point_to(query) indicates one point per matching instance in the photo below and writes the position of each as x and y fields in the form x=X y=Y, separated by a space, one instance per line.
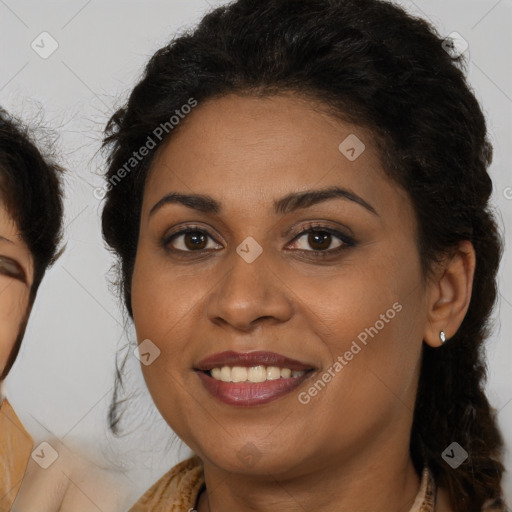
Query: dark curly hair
x=372 y=64
x=31 y=192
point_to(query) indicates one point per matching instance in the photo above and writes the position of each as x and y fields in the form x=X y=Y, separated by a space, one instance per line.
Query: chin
x=251 y=458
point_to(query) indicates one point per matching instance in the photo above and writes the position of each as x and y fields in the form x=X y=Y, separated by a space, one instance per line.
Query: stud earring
x=443 y=337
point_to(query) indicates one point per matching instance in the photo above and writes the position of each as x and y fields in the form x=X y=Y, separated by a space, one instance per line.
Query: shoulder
x=15 y=449
x=177 y=490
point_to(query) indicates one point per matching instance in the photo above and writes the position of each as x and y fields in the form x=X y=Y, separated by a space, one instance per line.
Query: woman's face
x=16 y=275
x=347 y=302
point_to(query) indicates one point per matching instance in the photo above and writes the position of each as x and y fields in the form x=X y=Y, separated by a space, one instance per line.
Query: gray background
x=62 y=382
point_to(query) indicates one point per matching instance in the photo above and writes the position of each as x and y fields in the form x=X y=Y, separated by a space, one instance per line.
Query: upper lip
x=248 y=359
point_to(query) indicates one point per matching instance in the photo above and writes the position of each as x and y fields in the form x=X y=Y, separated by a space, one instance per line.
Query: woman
x=30 y=231
x=327 y=163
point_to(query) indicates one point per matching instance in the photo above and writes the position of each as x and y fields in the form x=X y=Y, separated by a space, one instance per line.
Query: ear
x=450 y=293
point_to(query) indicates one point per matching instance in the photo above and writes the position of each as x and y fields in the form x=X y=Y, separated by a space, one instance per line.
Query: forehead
x=248 y=150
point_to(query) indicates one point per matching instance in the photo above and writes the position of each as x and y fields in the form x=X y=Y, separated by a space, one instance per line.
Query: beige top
x=15 y=449
x=179 y=489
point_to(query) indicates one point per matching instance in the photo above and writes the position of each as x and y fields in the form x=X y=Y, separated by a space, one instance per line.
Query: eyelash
x=347 y=241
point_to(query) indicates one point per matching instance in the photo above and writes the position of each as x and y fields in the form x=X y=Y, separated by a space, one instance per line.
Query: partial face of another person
x=325 y=281
x=16 y=275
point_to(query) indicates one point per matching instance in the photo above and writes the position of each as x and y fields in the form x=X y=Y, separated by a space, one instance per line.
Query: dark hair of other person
x=31 y=192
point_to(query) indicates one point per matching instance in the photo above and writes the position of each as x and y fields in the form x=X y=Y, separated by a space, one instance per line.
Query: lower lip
x=251 y=393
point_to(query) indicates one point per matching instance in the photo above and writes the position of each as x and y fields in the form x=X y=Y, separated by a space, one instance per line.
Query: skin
x=16 y=276
x=353 y=436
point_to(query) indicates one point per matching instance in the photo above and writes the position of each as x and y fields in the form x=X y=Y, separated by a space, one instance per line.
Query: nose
x=249 y=294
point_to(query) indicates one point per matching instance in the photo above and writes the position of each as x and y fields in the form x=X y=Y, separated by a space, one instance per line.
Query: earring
x=443 y=337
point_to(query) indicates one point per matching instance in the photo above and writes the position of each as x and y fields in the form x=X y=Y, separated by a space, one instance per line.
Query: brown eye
x=12 y=268
x=195 y=240
x=322 y=241
x=319 y=240
x=188 y=240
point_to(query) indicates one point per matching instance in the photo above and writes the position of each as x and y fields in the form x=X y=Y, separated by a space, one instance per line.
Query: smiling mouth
x=251 y=386
x=251 y=378
x=253 y=374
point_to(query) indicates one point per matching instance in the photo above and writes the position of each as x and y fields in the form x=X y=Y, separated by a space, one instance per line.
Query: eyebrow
x=287 y=204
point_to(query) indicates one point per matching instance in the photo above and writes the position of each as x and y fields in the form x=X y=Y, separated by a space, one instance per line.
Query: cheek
x=370 y=313
x=13 y=307
x=352 y=298
x=161 y=299
x=165 y=309
x=370 y=316
x=165 y=306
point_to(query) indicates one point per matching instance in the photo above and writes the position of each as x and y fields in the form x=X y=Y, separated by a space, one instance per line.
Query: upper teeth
x=253 y=374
